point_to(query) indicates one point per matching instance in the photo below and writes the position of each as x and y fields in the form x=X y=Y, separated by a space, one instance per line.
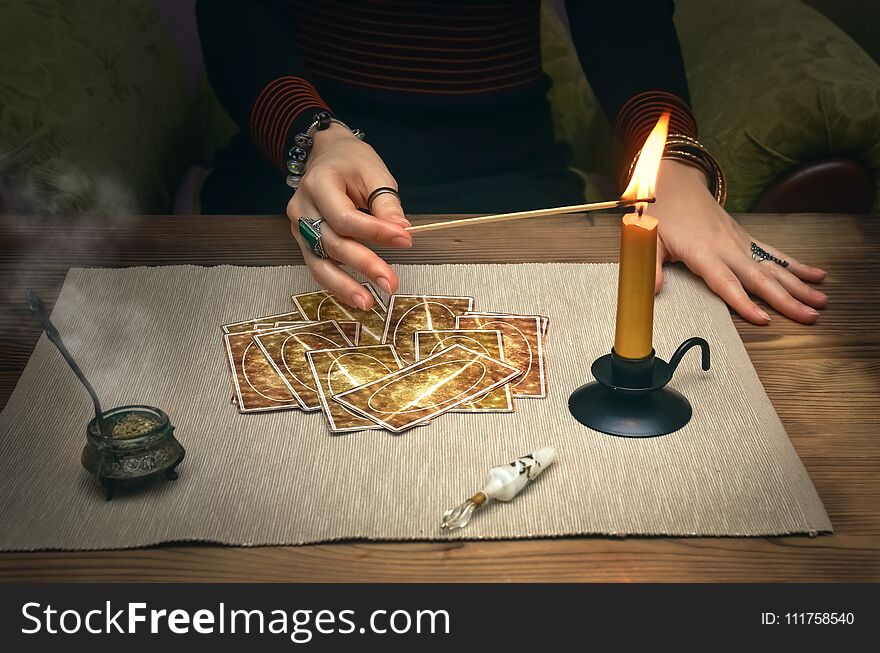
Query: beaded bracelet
x=303 y=142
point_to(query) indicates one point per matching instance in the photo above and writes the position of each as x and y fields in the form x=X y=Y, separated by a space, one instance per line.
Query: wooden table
x=824 y=381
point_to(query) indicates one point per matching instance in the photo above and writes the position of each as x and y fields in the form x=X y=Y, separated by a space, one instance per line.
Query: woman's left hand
x=697 y=231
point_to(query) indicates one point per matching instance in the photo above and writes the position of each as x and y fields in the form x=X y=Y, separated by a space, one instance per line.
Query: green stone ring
x=310 y=229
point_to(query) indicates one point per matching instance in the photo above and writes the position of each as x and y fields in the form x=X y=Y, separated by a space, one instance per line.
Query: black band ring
x=380 y=191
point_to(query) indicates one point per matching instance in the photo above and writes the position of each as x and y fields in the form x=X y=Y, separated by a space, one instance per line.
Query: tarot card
x=523 y=348
x=286 y=349
x=351 y=329
x=427 y=388
x=250 y=325
x=258 y=386
x=321 y=306
x=489 y=343
x=545 y=321
x=338 y=370
x=410 y=313
x=265 y=326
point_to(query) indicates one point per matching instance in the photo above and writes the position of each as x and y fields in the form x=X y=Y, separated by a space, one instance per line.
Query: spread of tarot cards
x=391 y=367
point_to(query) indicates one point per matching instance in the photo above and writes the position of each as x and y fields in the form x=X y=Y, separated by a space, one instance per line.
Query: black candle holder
x=629 y=397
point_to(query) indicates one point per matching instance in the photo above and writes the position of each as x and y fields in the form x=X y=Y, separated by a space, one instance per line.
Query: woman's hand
x=695 y=230
x=342 y=171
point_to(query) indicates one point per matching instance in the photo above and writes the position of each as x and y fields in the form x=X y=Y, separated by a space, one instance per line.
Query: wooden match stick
x=522 y=215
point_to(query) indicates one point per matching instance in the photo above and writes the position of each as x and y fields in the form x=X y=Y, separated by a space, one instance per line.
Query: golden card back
x=337 y=370
x=286 y=349
x=523 y=348
x=410 y=313
x=321 y=306
x=427 y=388
x=489 y=343
x=258 y=386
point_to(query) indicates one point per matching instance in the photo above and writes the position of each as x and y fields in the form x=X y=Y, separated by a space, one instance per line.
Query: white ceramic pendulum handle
x=502 y=484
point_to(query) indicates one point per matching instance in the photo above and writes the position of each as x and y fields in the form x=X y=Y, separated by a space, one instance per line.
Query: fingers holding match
x=349 y=222
x=337 y=209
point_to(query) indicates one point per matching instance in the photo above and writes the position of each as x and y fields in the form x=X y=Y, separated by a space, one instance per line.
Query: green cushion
x=93 y=107
x=776 y=84
x=773 y=83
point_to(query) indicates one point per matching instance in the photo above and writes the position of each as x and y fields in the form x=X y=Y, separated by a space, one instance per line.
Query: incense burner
x=131 y=445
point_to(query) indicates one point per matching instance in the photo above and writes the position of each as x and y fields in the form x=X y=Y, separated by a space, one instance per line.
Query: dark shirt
x=445 y=90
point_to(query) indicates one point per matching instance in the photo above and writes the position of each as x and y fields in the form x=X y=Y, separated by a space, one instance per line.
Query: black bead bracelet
x=303 y=142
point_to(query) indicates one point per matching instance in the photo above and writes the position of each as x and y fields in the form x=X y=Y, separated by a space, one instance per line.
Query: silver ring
x=382 y=190
x=310 y=230
x=759 y=254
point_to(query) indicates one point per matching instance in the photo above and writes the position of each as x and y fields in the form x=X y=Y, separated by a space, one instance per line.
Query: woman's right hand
x=342 y=171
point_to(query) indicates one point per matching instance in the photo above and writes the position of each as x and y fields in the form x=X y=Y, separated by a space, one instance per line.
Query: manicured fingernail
x=384 y=284
x=763 y=314
x=400 y=241
x=812 y=311
x=401 y=219
x=359 y=301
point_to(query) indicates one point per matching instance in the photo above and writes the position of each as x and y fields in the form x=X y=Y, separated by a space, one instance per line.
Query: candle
x=635 y=286
x=638 y=254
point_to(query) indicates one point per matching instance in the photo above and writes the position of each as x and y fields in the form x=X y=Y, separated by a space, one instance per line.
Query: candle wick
x=640 y=210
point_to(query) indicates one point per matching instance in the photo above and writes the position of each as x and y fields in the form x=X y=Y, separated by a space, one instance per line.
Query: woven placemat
x=152 y=335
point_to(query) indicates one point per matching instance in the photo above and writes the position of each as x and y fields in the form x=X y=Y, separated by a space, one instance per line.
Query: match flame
x=644 y=176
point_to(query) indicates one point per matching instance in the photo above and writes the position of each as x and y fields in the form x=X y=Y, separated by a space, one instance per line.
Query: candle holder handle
x=683 y=348
x=629 y=397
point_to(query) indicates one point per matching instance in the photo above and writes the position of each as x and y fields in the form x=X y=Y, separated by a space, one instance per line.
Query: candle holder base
x=629 y=397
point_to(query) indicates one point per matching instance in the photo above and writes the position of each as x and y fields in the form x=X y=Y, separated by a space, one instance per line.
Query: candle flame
x=644 y=176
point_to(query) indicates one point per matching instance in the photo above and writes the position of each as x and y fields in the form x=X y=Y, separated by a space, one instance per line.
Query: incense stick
x=522 y=215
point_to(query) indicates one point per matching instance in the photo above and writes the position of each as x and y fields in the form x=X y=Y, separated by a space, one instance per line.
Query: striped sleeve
x=285 y=107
